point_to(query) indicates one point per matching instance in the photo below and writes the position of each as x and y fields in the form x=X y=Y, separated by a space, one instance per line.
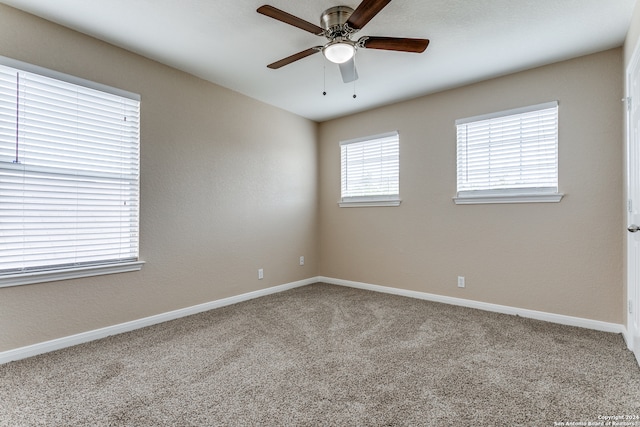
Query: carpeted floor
x=331 y=356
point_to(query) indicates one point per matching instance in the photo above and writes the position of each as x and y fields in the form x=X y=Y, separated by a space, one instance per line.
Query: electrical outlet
x=301 y=260
x=260 y=274
x=461 y=281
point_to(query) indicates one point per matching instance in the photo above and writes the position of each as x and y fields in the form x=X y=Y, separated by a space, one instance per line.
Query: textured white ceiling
x=227 y=42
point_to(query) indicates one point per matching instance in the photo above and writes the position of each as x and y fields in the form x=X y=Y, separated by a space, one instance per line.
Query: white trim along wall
x=60 y=343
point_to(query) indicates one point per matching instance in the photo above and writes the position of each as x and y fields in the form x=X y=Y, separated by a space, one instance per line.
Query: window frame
x=512 y=194
x=378 y=200
x=56 y=273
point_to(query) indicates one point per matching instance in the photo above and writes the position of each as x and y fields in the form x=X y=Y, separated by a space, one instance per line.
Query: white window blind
x=509 y=152
x=69 y=174
x=370 y=168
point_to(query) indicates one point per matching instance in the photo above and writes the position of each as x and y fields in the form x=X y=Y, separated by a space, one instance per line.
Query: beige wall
x=228 y=185
x=563 y=258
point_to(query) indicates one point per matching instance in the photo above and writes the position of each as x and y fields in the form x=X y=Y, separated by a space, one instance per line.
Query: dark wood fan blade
x=293 y=58
x=365 y=12
x=288 y=18
x=396 y=43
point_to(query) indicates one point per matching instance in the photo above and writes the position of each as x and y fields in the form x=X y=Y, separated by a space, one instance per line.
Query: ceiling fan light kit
x=339 y=51
x=338 y=24
x=340 y=48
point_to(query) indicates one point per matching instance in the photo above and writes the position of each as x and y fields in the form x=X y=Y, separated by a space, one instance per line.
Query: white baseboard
x=57 y=344
x=532 y=314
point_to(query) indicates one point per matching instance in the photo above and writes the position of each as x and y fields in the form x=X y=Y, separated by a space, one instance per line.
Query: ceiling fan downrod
x=334 y=22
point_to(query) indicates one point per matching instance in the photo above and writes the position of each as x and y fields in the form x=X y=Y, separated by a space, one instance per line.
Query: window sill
x=508 y=198
x=66 y=274
x=369 y=203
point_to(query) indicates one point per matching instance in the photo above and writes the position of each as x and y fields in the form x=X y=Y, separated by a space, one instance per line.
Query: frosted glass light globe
x=339 y=52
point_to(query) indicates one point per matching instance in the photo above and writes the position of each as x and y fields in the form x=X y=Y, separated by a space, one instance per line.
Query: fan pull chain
x=324 y=79
x=354 y=77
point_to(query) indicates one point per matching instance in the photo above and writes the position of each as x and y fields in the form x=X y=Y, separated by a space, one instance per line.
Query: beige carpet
x=332 y=356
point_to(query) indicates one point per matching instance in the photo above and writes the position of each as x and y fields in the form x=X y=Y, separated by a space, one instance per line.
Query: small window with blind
x=69 y=176
x=509 y=157
x=370 y=171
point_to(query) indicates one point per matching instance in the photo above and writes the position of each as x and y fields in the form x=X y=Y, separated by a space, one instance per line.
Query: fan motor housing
x=334 y=18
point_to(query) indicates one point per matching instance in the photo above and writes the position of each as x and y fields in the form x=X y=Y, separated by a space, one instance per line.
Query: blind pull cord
x=17 y=160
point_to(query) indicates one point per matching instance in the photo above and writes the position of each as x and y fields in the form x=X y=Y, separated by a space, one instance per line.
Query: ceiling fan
x=338 y=24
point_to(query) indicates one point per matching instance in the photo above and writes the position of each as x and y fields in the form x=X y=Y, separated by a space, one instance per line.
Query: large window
x=69 y=176
x=370 y=171
x=510 y=156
